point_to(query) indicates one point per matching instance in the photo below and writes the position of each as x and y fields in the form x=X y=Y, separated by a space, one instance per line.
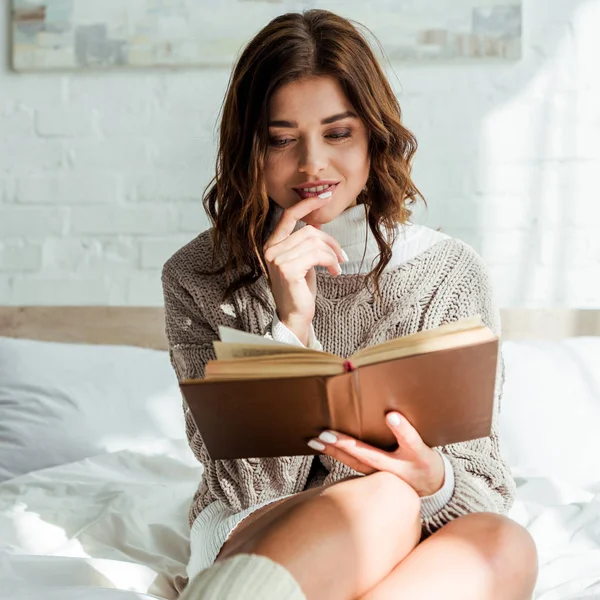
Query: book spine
x=343 y=401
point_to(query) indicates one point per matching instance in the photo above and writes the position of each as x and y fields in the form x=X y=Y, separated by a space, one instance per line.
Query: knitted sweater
x=446 y=282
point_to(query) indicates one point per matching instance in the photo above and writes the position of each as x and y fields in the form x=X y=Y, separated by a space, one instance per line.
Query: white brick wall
x=65 y=121
x=69 y=188
x=101 y=174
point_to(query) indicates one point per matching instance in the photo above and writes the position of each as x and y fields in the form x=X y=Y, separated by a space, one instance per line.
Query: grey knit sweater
x=442 y=284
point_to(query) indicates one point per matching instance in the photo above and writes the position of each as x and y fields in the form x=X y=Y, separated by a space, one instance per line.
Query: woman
x=312 y=245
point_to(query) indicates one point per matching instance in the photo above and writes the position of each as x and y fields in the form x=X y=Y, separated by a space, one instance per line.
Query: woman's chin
x=317 y=218
x=324 y=215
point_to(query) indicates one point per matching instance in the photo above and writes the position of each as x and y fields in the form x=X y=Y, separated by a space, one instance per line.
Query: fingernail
x=393 y=419
x=328 y=437
x=325 y=195
x=345 y=255
x=315 y=445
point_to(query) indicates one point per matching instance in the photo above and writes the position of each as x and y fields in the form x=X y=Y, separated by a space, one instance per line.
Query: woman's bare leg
x=481 y=556
x=338 y=542
x=260 y=518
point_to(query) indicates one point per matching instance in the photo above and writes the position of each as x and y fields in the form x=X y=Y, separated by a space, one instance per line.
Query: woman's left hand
x=414 y=462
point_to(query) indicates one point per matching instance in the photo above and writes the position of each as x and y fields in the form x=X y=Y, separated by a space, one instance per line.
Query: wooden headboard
x=144 y=326
x=121 y=325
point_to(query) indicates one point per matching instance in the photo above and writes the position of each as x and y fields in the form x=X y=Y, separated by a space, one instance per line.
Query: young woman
x=312 y=244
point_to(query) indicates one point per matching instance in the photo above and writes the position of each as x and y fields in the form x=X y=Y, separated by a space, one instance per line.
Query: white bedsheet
x=565 y=523
x=114 y=527
x=111 y=527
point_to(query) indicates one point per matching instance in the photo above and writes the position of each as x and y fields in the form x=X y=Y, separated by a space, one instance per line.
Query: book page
x=313 y=363
x=234 y=336
x=443 y=342
x=419 y=340
x=236 y=344
x=229 y=351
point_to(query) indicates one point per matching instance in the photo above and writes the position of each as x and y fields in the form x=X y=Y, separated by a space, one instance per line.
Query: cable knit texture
x=446 y=282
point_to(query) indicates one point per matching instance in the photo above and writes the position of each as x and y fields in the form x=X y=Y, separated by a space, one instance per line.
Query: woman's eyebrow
x=325 y=121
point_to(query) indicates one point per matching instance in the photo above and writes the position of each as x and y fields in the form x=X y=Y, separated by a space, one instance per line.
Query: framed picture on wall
x=101 y=34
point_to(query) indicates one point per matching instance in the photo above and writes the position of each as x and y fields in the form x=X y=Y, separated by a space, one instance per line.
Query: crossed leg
x=360 y=539
x=478 y=556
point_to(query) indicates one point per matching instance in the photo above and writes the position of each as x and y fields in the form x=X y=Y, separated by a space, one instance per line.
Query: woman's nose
x=312 y=159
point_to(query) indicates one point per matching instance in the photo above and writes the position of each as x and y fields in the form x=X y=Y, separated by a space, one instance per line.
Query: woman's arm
x=238 y=483
x=482 y=479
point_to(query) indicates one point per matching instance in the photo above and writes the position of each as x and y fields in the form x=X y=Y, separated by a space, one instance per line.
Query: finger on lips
x=284 y=244
x=292 y=215
x=295 y=239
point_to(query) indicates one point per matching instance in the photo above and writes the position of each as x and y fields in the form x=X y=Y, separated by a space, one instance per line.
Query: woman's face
x=315 y=139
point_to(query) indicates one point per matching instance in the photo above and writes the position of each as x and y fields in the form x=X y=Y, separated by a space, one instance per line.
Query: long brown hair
x=291 y=47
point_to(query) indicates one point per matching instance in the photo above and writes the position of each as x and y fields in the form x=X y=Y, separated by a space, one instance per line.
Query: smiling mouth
x=311 y=192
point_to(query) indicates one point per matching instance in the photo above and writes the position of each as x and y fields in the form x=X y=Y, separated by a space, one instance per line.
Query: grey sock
x=244 y=577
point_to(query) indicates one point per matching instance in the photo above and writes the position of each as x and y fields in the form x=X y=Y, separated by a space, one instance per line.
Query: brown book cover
x=447 y=395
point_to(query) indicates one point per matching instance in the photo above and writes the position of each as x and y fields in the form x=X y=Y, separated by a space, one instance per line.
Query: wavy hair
x=291 y=47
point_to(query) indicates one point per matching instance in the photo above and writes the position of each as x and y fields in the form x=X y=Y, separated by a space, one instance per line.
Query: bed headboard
x=122 y=325
x=144 y=326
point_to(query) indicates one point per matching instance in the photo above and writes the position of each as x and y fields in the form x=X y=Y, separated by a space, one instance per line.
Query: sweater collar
x=351 y=229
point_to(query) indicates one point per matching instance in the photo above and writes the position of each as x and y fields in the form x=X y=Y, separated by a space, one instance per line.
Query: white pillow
x=64 y=402
x=550 y=418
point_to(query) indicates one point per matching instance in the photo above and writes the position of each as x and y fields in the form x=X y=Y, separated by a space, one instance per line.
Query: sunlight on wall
x=540 y=153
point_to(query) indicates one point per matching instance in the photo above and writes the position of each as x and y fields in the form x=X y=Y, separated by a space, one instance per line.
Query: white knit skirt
x=210 y=531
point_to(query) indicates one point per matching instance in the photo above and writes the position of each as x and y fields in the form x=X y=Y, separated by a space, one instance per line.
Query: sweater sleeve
x=281 y=333
x=238 y=483
x=482 y=479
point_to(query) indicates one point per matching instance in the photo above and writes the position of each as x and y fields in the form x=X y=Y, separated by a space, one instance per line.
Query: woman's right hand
x=291 y=258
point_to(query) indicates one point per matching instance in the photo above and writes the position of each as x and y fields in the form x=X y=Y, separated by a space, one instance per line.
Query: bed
x=96 y=475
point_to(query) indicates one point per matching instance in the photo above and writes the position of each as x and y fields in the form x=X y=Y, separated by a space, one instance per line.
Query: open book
x=264 y=398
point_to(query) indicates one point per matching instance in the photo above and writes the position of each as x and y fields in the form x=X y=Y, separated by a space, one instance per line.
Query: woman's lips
x=303 y=195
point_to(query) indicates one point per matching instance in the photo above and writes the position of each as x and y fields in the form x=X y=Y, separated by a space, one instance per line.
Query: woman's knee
x=381 y=487
x=393 y=493
x=507 y=548
x=507 y=539
x=383 y=498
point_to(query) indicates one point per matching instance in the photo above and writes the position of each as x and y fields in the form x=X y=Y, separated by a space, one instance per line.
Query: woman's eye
x=334 y=135
x=279 y=143
x=338 y=135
